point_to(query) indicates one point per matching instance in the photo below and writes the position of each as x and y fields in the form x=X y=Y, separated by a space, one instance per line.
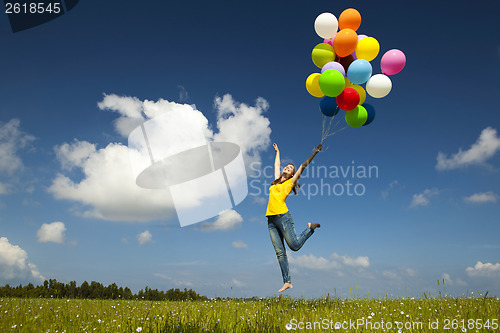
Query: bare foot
x=314 y=225
x=286 y=286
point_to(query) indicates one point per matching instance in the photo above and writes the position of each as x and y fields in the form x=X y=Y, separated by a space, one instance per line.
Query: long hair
x=282 y=179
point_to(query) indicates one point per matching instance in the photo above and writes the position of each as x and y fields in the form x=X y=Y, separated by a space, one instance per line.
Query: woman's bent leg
x=279 y=247
x=294 y=242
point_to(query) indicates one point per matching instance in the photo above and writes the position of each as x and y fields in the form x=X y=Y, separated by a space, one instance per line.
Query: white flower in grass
x=138 y=329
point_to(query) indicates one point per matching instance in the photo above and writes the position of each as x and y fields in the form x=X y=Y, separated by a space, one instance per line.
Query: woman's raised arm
x=296 y=177
x=277 y=162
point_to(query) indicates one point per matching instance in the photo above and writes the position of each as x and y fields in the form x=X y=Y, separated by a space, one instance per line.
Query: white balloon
x=326 y=25
x=379 y=86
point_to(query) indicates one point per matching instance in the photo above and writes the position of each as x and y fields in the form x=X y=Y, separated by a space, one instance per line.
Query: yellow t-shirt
x=277 y=196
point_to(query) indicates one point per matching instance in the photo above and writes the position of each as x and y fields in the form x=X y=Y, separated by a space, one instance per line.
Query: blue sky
x=430 y=212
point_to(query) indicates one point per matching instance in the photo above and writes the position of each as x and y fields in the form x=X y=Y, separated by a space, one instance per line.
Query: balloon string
x=328 y=131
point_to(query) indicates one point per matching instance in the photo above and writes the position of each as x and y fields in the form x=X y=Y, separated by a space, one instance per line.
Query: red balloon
x=348 y=99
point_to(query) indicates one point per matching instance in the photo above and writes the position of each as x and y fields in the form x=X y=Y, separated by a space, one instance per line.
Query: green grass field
x=464 y=314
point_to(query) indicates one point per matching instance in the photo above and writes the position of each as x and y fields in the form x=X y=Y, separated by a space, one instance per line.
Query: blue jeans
x=281 y=227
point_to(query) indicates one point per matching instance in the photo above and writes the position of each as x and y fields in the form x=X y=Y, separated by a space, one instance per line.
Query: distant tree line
x=95 y=290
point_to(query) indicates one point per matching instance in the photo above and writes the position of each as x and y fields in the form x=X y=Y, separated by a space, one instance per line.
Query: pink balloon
x=329 y=40
x=392 y=62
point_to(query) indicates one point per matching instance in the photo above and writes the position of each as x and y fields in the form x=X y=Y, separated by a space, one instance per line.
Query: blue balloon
x=328 y=106
x=371 y=113
x=359 y=71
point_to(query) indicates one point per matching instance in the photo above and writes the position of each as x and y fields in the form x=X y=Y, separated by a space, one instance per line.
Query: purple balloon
x=360 y=37
x=333 y=65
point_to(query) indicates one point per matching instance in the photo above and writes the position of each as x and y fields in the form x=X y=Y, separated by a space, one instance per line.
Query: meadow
x=279 y=314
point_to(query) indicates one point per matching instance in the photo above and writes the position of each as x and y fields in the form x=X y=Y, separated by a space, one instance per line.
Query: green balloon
x=356 y=117
x=331 y=82
x=322 y=54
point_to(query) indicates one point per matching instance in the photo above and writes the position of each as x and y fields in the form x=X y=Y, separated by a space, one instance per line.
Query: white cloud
x=226 y=220
x=176 y=282
x=74 y=155
x=390 y=187
x=335 y=261
x=484 y=270
x=15 y=266
x=363 y=262
x=399 y=274
x=237 y=283
x=4 y=188
x=423 y=199
x=260 y=200
x=183 y=94
x=52 y=232
x=12 y=139
x=482 y=197
x=108 y=189
x=311 y=261
x=133 y=112
x=483 y=149
x=244 y=125
x=130 y=109
x=239 y=244
x=144 y=237
x=453 y=282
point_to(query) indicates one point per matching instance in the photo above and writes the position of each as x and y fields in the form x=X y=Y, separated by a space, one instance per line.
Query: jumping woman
x=279 y=219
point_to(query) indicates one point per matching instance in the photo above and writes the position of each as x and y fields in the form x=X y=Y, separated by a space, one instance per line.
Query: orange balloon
x=350 y=19
x=345 y=42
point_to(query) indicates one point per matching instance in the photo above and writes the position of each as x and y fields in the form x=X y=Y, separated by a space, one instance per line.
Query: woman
x=279 y=220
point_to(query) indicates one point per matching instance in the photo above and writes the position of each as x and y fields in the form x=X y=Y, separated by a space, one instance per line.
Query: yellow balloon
x=348 y=84
x=361 y=91
x=312 y=85
x=368 y=49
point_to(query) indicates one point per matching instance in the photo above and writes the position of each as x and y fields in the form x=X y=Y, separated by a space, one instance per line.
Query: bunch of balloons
x=344 y=58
